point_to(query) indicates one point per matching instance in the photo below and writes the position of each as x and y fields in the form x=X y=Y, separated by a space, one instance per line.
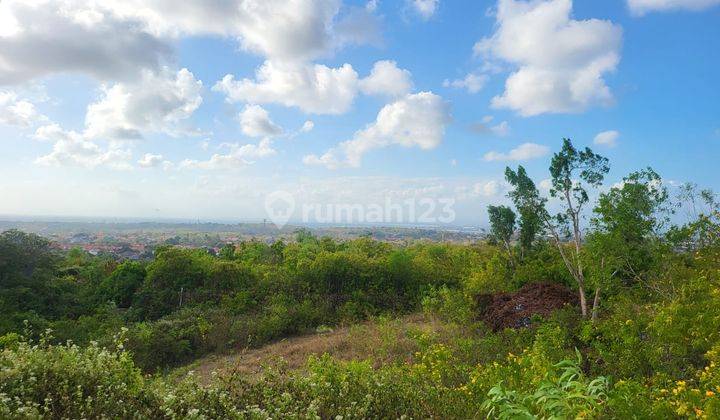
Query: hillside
x=543 y=320
x=381 y=340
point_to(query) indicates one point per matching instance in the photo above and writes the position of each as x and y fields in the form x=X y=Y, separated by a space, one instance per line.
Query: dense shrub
x=68 y=381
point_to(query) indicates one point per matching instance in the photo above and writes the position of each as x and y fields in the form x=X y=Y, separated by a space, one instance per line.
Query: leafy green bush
x=565 y=392
x=450 y=304
x=494 y=277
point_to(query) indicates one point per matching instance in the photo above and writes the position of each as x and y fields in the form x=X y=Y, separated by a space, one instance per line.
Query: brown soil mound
x=514 y=310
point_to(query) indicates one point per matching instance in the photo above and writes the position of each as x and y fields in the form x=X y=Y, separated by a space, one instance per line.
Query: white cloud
x=17 y=112
x=307 y=126
x=255 y=122
x=560 y=61
x=150 y=160
x=156 y=103
x=415 y=120
x=525 y=151
x=472 y=82
x=607 y=138
x=386 y=78
x=47 y=132
x=73 y=149
x=314 y=88
x=238 y=156
x=425 y=8
x=287 y=29
x=641 y=7
x=545 y=184
x=489 y=189
x=278 y=29
x=114 y=39
x=41 y=37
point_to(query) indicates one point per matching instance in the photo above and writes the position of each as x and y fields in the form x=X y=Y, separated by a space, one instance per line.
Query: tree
x=572 y=173
x=175 y=277
x=502 y=226
x=122 y=284
x=227 y=252
x=702 y=229
x=27 y=266
x=628 y=218
x=529 y=204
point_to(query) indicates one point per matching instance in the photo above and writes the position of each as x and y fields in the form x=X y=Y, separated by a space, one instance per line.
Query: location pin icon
x=279 y=206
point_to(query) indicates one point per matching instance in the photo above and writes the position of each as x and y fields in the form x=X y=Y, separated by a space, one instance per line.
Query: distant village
x=138 y=240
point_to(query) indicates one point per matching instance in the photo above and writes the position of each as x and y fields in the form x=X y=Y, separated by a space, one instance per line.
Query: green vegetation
x=84 y=336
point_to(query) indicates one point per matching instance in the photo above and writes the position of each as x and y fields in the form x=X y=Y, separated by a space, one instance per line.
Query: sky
x=203 y=109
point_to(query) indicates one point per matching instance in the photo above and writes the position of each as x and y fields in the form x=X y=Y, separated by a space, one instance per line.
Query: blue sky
x=150 y=109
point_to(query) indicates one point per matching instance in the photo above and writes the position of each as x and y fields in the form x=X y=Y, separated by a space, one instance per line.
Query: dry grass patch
x=380 y=340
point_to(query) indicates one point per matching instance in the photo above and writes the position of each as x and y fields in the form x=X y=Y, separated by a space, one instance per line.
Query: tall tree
x=502 y=227
x=572 y=173
x=529 y=204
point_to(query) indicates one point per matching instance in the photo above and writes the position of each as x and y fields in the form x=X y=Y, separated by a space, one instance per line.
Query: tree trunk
x=576 y=269
x=596 y=304
x=583 y=300
x=511 y=257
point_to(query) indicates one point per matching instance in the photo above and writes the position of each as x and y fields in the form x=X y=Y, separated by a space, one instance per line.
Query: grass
x=381 y=340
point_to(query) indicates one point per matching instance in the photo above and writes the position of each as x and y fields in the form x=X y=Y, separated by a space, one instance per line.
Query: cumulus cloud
x=472 y=82
x=41 y=37
x=560 y=62
x=71 y=148
x=17 y=112
x=237 y=157
x=114 y=39
x=525 y=151
x=416 y=120
x=607 y=138
x=158 y=102
x=642 y=7
x=150 y=160
x=300 y=29
x=425 y=8
x=278 y=29
x=314 y=88
x=255 y=122
x=387 y=79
